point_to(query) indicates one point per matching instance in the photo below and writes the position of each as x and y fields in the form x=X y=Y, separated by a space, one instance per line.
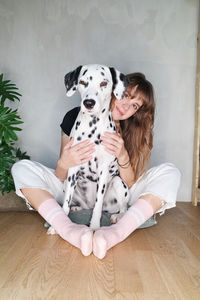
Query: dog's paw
x=94 y=225
x=51 y=230
x=75 y=208
x=66 y=208
x=116 y=217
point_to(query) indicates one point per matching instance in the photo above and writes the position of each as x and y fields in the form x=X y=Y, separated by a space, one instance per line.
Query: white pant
x=162 y=181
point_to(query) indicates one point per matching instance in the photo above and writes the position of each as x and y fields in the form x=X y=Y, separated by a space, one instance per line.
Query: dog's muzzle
x=89 y=103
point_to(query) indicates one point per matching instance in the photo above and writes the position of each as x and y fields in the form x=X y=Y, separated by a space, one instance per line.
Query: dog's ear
x=71 y=81
x=120 y=83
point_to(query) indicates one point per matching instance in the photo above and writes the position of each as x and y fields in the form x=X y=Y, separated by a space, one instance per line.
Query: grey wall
x=41 y=40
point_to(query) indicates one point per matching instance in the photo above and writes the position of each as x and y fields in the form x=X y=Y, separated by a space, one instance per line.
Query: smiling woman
x=134 y=117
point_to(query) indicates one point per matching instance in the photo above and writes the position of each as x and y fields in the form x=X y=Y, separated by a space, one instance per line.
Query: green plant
x=9 y=121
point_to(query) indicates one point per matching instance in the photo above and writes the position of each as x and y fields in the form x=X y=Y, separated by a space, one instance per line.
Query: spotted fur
x=95 y=184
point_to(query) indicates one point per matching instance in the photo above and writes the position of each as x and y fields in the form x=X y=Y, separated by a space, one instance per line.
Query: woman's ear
x=120 y=83
x=71 y=81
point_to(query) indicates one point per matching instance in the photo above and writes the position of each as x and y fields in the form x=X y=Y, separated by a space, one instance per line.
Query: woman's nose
x=126 y=105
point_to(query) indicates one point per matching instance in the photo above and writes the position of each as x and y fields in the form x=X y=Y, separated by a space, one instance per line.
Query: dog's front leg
x=97 y=211
x=69 y=188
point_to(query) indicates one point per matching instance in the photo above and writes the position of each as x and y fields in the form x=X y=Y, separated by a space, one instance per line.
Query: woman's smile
x=120 y=112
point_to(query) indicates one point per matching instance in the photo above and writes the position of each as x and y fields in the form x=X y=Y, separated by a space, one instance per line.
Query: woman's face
x=127 y=106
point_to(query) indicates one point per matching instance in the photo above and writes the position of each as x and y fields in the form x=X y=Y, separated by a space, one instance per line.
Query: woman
x=151 y=191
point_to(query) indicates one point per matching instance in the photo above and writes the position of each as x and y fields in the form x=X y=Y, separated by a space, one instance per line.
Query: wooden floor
x=161 y=262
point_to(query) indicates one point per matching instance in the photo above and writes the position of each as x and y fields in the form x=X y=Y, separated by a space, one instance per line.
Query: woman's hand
x=76 y=155
x=114 y=144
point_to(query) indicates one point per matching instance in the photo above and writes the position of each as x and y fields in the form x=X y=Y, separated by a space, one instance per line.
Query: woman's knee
x=18 y=167
x=174 y=174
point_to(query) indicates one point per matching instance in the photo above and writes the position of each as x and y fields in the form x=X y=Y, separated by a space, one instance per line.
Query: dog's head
x=96 y=84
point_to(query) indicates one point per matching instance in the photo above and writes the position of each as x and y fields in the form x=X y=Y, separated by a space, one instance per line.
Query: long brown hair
x=137 y=131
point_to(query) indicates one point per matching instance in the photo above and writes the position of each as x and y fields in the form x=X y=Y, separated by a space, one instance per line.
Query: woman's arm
x=114 y=145
x=62 y=167
x=125 y=169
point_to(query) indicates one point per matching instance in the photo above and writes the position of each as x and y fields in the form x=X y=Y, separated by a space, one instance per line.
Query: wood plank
x=160 y=262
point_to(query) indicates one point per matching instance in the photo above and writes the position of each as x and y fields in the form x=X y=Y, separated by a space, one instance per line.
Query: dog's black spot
x=125 y=194
x=113 y=201
x=85 y=72
x=91 y=179
x=109 y=118
x=94 y=120
x=73 y=183
x=102 y=73
x=114 y=128
x=90 y=123
x=114 y=77
x=93 y=131
x=90 y=77
x=89 y=135
x=98 y=136
x=111 y=171
x=124 y=185
x=103 y=110
x=111 y=125
x=83 y=133
x=78 y=138
x=95 y=159
x=69 y=178
x=84 y=188
x=97 y=187
x=82 y=168
x=97 y=142
x=93 y=172
x=74 y=88
x=103 y=68
x=78 y=123
x=101 y=172
x=97 y=93
x=103 y=189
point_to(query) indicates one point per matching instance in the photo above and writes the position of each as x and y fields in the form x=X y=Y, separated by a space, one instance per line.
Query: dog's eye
x=103 y=83
x=83 y=82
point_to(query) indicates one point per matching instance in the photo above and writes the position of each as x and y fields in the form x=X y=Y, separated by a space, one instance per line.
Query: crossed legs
x=81 y=236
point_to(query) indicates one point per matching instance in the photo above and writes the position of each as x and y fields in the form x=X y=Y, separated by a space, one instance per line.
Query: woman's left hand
x=114 y=144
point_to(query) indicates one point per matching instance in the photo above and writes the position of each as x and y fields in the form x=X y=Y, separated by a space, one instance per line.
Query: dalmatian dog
x=95 y=184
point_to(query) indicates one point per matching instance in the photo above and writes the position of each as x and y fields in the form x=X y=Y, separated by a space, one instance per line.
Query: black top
x=69 y=119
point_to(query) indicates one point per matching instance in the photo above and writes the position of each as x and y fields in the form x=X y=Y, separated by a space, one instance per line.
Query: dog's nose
x=89 y=103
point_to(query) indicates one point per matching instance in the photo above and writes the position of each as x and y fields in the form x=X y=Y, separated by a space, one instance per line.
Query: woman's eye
x=135 y=106
x=103 y=83
x=126 y=95
x=83 y=82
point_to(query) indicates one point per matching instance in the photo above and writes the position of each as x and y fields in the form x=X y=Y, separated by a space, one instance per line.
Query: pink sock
x=79 y=236
x=107 y=237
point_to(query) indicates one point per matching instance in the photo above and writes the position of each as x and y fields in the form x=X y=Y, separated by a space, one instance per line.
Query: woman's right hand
x=76 y=155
